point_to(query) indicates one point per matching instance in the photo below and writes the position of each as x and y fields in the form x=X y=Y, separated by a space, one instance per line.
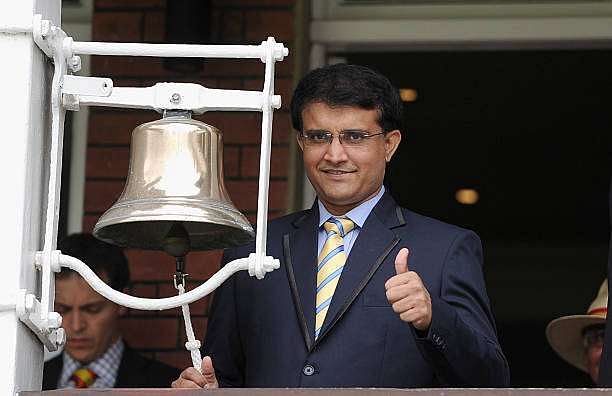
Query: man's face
x=594 y=339
x=593 y=355
x=90 y=320
x=342 y=176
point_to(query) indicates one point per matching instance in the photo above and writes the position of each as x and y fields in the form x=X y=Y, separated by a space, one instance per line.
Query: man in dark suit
x=95 y=354
x=369 y=294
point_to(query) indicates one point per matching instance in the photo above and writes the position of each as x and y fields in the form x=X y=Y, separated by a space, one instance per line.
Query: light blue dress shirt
x=358 y=214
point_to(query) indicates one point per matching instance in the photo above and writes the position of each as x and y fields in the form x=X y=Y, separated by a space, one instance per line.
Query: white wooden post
x=25 y=80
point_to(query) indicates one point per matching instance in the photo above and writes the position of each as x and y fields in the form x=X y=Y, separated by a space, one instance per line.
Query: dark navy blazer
x=261 y=332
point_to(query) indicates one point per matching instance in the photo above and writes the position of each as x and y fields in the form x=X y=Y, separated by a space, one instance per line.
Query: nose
x=335 y=151
x=76 y=321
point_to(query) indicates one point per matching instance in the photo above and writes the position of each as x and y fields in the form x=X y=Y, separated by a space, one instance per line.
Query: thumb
x=401 y=261
x=208 y=371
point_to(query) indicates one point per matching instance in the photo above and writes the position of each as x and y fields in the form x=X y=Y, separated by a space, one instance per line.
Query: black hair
x=101 y=257
x=348 y=85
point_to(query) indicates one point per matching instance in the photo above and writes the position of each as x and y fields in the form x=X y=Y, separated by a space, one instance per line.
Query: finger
x=183 y=383
x=400 y=292
x=208 y=371
x=193 y=375
x=401 y=261
x=403 y=279
x=411 y=316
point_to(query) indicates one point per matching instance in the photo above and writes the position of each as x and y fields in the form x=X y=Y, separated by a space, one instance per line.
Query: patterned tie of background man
x=83 y=377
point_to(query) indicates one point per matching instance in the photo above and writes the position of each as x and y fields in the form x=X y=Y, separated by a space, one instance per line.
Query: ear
x=299 y=141
x=392 y=141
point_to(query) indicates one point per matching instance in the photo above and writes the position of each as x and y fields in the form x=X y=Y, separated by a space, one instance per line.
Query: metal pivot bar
x=70 y=92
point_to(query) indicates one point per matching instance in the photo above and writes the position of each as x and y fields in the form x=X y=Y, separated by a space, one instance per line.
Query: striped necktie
x=83 y=377
x=331 y=262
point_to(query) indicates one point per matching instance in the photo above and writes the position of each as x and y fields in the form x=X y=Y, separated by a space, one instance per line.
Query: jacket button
x=308 y=369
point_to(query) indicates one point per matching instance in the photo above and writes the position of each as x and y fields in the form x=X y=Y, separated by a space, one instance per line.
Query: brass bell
x=175 y=179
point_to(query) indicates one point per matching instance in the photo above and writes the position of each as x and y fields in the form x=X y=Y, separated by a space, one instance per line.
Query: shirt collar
x=358 y=214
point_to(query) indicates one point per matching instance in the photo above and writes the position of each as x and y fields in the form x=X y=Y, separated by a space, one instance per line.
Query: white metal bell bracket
x=69 y=92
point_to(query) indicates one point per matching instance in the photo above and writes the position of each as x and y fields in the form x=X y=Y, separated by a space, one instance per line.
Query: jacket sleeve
x=461 y=343
x=222 y=342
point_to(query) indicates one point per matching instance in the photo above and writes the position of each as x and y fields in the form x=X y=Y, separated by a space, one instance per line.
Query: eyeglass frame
x=365 y=135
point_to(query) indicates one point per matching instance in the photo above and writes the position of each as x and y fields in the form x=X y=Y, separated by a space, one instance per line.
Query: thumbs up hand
x=192 y=378
x=407 y=294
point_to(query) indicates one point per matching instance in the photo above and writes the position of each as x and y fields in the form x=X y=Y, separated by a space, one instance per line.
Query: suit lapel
x=372 y=246
x=52 y=371
x=300 y=251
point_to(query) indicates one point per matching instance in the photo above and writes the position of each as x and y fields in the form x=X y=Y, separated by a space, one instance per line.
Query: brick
x=127 y=66
x=201 y=265
x=101 y=4
x=272 y=214
x=117 y=26
x=282 y=87
x=279 y=160
x=231 y=161
x=231 y=27
x=244 y=195
x=229 y=83
x=88 y=222
x=199 y=329
x=154 y=27
x=107 y=162
x=179 y=359
x=145 y=290
x=154 y=333
x=148 y=265
x=101 y=194
x=260 y=24
x=127 y=82
x=237 y=127
x=282 y=131
x=245 y=128
x=196 y=79
x=198 y=308
x=115 y=127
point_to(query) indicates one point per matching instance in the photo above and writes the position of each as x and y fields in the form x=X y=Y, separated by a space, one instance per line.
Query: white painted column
x=25 y=78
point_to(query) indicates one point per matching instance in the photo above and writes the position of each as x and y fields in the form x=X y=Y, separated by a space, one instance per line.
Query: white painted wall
x=25 y=76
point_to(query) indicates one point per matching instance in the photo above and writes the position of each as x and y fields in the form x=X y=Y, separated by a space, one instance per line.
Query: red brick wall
x=161 y=334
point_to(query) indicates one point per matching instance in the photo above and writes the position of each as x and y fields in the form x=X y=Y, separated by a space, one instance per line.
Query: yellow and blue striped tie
x=331 y=262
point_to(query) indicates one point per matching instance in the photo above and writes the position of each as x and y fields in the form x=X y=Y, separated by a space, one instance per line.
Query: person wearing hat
x=578 y=339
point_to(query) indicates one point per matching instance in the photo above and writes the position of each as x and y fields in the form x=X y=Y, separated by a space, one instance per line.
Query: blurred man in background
x=95 y=354
x=578 y=339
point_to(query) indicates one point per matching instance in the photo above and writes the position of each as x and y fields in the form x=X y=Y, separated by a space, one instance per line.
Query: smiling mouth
x=336 y=171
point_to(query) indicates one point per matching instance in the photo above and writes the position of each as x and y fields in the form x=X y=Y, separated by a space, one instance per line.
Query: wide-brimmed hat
x=565 y=334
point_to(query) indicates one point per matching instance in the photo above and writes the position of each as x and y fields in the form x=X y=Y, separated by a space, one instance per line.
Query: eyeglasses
x=593 y=335
x=348 y=137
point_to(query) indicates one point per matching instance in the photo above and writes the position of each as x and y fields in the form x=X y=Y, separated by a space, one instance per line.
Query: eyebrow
x=84 y=306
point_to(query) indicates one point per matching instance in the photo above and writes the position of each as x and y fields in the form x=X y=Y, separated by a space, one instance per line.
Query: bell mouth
x=209 y=224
